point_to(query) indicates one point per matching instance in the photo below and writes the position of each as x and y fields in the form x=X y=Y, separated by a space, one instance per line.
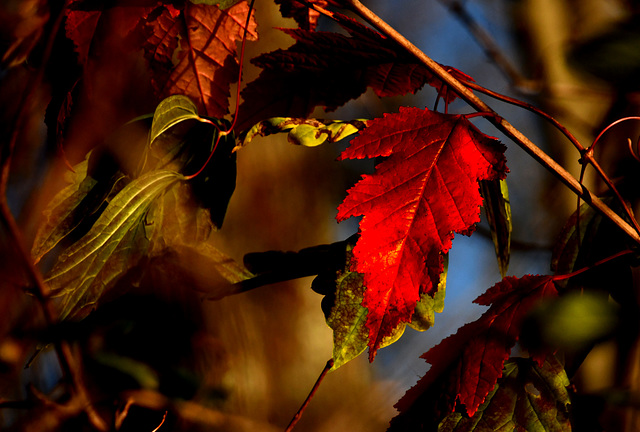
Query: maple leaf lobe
x=194 y=52
x=328 y=69
x=424 y=192
x=466 y=365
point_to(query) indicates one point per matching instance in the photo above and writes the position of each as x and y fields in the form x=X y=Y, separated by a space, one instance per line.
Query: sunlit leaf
x=186 y=149
x=466 y=365
x=171 y=111
x=306 y=132
x=526 y=398
x=419 y=196
x=348 y=317
x=76 y=205
x=193 y=52
x=115 y=243
x=57 y=222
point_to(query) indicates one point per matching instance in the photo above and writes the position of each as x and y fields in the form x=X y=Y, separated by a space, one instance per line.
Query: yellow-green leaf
x=497 y=208
x=58 y=221
x=171 y=111
x=114 y=244
x=222 y=4
x=526 y=398
x=306 y=132
x=348 y=317
x=424 y=314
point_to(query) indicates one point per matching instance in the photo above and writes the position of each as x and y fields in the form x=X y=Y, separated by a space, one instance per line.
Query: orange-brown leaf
x=193 y=53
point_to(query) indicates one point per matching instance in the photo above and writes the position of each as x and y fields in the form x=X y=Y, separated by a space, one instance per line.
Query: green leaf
x=115 y=243
x=222 y=4
x=58 y=222
x=526 y=398
x=141 y=372
x=348 y=317
x=217 y=261
x=76 y=205
x=424 y=314
x=575 y=321
x=176 y=219
x=170 y=112
x=185 y=149
x=497 y=208
x=306 y=132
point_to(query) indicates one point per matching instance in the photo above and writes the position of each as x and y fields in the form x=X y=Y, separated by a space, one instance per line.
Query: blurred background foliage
x=247 y=362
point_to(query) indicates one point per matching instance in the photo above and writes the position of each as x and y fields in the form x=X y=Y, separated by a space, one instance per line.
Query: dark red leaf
x=80 y=28
x=329 y=69
x=194 y=53
x=83 y=18
x=466 y=366
x=306 y=17
x=425 y=191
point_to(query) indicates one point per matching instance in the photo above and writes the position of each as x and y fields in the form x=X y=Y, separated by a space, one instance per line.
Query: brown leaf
x=193 y=52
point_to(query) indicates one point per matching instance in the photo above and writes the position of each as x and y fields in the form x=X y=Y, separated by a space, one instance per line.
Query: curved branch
x=586 y=154
x=500 y=123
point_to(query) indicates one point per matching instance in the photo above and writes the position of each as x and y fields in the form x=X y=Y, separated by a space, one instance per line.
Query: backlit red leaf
x=80 y=27
x=466 y=366
x=417 y=199
x=194 y=53
x=329 y=69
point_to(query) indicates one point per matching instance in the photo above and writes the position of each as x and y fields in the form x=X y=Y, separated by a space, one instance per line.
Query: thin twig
x=592 y=266
x=500 y=123
x=313 y=391
x=491 y=48
x=587 y=154
x=67 y=362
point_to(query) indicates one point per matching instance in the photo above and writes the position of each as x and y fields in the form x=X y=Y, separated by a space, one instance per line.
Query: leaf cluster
x=121 y=220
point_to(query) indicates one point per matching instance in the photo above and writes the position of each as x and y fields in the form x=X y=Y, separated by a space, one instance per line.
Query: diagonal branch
x=500 y=123
x=586 y=153
x=491 y=48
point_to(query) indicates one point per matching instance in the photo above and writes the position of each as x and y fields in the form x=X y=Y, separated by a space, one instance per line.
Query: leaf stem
x=240 y=65
x=313 y=391
x=500 y=123
x=592 y=266
x=219 y=135
x=491 y=48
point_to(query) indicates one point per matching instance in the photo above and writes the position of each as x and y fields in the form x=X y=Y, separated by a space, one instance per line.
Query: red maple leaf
x=193 y=53
x=425 y=191
x=466 y=366
x=329 y=69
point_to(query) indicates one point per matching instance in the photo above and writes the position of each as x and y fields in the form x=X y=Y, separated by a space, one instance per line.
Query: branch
x=313 y=391
x=586 y=153
x=500 y=123
x=67 y=361
x=491 y=49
